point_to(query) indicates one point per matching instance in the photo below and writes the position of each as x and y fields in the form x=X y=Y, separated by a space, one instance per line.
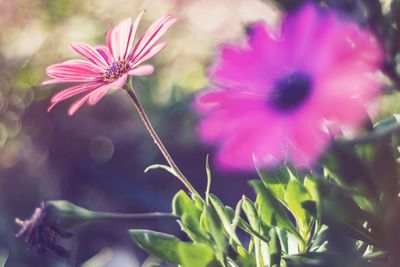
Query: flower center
x=116 y=70
x=290 y=91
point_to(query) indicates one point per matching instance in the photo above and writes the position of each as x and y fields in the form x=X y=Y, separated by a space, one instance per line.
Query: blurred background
x=96 y=158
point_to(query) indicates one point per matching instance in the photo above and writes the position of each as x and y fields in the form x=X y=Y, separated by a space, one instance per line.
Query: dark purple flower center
x=116 y=70
x=290 y=91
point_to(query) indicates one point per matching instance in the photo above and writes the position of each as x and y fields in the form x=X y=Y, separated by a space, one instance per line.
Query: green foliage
x=347 y=213
x=161 y=245
x=190 y=215
x=270 y=210
x=295 y=194
x=196 y=255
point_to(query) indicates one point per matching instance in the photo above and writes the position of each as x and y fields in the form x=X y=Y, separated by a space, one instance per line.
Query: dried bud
x=48 y=221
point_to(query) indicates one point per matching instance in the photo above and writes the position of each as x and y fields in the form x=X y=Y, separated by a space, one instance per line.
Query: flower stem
x=158 y=142
x=127 y=217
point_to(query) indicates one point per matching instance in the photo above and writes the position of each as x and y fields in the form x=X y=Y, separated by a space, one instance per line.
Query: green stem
x=128 y=217
x=302 y=244
x=158 y=142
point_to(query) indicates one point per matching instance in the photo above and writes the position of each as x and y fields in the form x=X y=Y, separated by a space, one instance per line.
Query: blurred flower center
x=116 y=70
x=290 y=91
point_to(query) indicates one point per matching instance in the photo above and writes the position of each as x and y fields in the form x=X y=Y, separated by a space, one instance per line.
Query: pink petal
x=70 y=92
x=152 y=35
x=56 y=81
x=306 y=140
x=109 y=41
x=238 y=67
x=98 y=94
x=135 y=26
x=121 y=37
x=90 y=53
x=351 y=111
x=150 y=53
x=252 y=143
x=77 y=104
x=299 y=29
x=142 y=70
x=340 y=58
x=105 y=53
x=228 y=111
x=73 y=71
x=118 y=84
x=347 y=42
x=74 y=90
x=265 y=45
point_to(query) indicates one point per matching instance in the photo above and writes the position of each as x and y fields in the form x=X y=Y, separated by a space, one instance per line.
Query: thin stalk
x=158 y=142
x=128 y=217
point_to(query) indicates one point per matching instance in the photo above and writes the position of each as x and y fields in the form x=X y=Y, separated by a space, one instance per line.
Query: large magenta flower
x=273 y=98
x=108 y=67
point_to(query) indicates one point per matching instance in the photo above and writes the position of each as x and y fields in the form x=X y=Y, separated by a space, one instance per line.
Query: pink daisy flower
x=273 y=98
x=107 y=68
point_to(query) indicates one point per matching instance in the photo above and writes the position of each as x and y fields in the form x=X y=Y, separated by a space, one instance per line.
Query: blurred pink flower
x=108 y=67
x=272 y=98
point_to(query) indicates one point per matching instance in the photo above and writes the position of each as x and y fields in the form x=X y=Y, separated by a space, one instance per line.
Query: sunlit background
x=96 y=158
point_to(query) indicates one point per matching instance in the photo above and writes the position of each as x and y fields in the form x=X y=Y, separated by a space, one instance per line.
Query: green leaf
x=190 y=214
x=283 y=237
x=245 y=259
x=324 y=259
x=274 y=249
x=312 y=188
x=224 y=217
x=242 y=224
x=235 y=221
x=320 y=241
x=158 y=244
x=208 y=172
x=342 y=215
x=160 y=166
x=250 y=211
x=382 y=129
x=311 y=185
x=349 y=169
x=271 y=211
x=198 y=201
x=394 y=119
x=276 y=181
x=182 y=203
x=193 y=229
x=210 y=221
x=295 y=194
x=198 y=255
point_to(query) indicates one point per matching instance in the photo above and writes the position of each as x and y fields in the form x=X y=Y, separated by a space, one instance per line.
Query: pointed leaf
x=224 y=217
x=190 y=214
x=245 y=259
x=271 y=211
x=198 y=255
x=158 y=244
x=294 y=195
x=274 y=249
x=210 y=221
x=276 y=181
